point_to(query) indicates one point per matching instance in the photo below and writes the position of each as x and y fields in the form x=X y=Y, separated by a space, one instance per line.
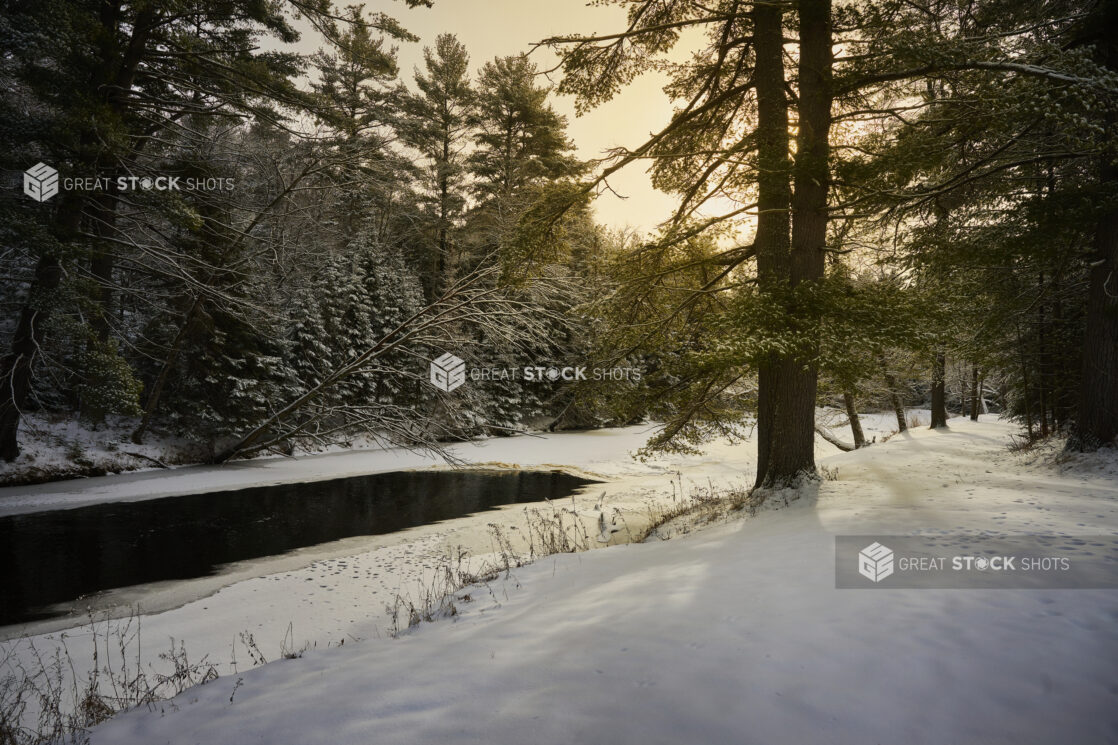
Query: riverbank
x=734 y=634
x=302 y=588
x=580 y=452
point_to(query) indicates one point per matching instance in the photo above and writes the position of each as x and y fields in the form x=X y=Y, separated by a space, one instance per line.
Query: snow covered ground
x=733 y=634
x=339 y=592
x=607 y=450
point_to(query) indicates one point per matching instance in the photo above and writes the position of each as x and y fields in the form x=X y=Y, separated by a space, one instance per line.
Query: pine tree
x=521 y=140
x=437 y=123
x=358 y=297
x=356 y=100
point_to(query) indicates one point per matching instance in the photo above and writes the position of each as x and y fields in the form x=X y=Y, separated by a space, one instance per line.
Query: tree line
x=347 y=229
x=876 y=203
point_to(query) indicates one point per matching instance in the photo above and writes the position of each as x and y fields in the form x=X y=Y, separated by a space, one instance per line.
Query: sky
x=491 y=28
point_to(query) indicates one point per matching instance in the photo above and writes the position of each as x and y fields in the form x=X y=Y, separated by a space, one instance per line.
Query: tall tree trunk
x=774 y=195
x=975 y=393
x=1043 y=367
x=1026 y=392
x=1096 y=423
x=939 y=397
x=793 y=448
x=441 y=279
x=1063 y=403
x=855 y=422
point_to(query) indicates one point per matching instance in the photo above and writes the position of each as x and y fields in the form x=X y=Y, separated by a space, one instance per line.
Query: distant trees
x=301 y=291
x=994 y=176
x=131 y=77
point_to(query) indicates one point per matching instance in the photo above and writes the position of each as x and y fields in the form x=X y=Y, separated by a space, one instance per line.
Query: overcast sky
x=490 y=28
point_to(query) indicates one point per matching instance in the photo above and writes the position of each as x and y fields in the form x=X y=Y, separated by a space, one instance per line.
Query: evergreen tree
x=437 y=123
x=995 y=184
x=521 y=140
x=356 y=100
x=357 y=298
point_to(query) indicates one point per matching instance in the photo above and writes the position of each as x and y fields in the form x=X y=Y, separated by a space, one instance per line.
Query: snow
x=337 y=592
x=732 y=634
x=605 y=449
x=55 y=447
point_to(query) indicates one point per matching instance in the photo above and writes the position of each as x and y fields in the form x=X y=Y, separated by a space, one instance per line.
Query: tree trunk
x=1043 y=367
x=15 y=368
x=939 y=398
x=1096 y=423
x=855 y=422
x=898 y=410
x=894 y=397
x=843 y=446
x=774 y=194
x=441 y=279
x=975 y=393
x=793 y=448
x=1063 y=396
x=1027 y=393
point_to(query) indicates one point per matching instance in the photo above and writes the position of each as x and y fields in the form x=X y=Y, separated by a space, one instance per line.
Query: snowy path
x=733 y=635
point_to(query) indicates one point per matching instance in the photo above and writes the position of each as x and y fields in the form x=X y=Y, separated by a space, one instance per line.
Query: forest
x=552 y=371
x=211 y=236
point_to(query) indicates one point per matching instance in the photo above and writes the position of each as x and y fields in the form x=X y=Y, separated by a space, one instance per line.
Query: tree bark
x=939 y=397
x=855 y=422
x=1096 y=422
x=774 y=195
x=975 y=393
x=793 y=448
x=894 y=397
x=1043 y=366
x=898 y=411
